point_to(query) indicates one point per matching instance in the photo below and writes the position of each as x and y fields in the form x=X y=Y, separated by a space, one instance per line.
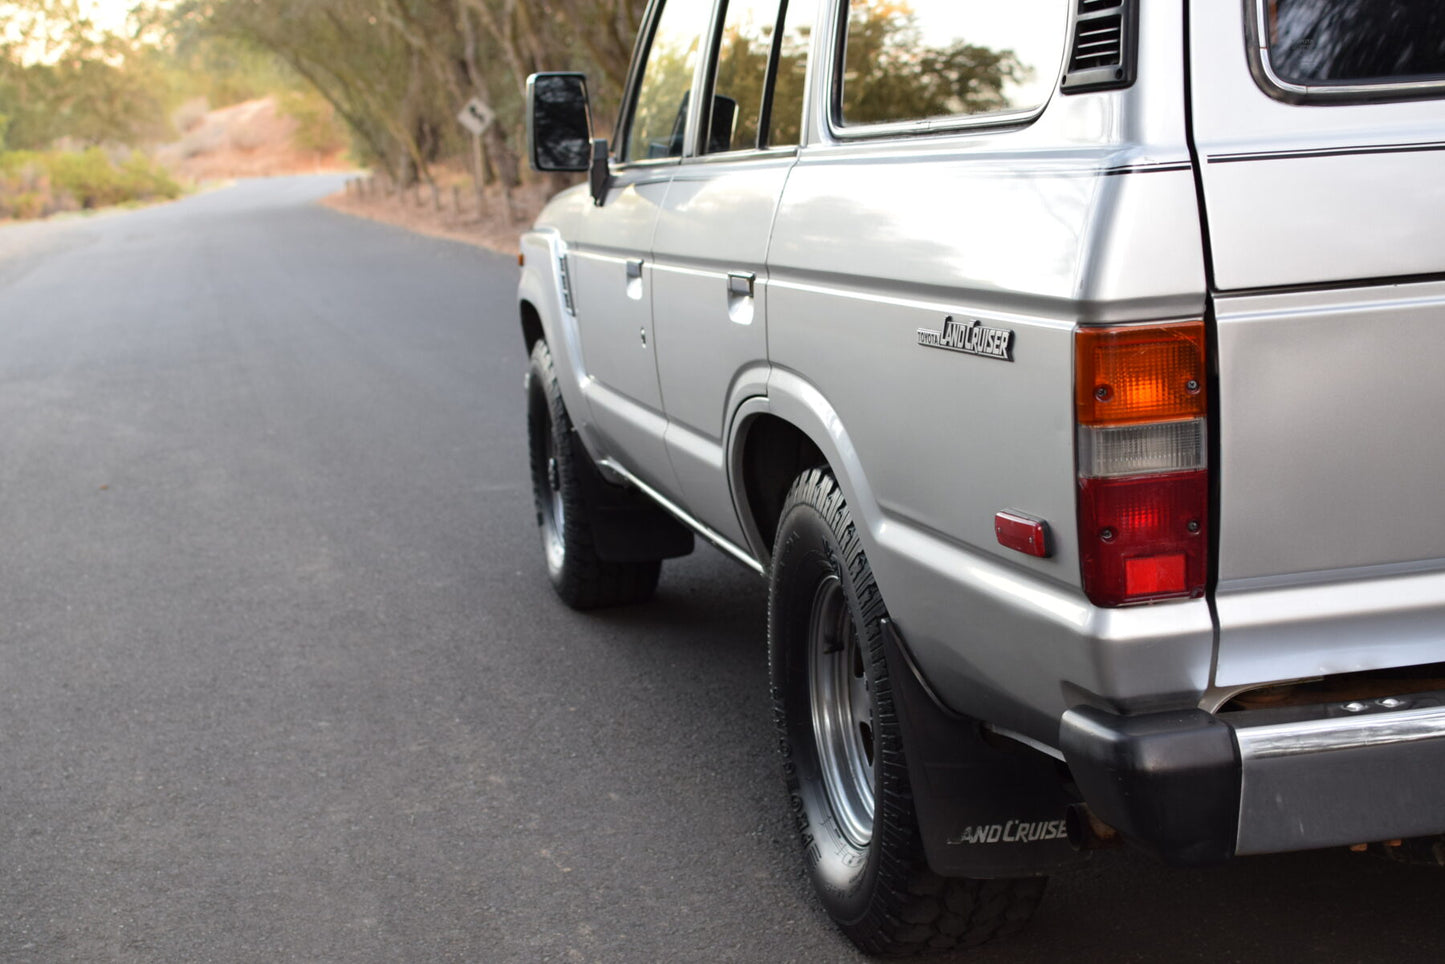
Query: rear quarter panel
x=1086 y=215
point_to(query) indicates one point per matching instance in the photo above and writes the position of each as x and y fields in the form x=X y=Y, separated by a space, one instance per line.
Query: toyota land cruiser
x=1068 y=369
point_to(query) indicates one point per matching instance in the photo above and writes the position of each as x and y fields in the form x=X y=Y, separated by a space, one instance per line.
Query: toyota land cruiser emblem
x=973 y=339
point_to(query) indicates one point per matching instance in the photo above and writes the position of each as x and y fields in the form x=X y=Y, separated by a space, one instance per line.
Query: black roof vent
x=1102 y=53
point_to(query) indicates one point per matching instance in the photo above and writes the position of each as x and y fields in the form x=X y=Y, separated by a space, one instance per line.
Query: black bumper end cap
x=1169 y=782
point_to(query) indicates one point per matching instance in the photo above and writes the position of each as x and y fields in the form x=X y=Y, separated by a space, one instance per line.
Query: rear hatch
x=1320 y=142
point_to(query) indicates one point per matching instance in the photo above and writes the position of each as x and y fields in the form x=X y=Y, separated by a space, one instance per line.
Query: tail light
x=1142 y=416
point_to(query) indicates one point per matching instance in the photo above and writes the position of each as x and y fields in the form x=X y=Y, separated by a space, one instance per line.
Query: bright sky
x=108 y=14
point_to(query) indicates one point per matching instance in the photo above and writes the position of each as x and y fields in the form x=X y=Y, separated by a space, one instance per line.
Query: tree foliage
x=63 y=77
x=398 y=71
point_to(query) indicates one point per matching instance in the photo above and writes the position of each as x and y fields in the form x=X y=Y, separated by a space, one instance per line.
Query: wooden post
x=478 y=173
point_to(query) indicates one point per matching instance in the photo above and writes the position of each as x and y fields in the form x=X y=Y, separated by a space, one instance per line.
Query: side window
x=749 y=44
x=932 y=59
x=660 y=112
x=786 y=114
x=1355 y=42
x=742 y=73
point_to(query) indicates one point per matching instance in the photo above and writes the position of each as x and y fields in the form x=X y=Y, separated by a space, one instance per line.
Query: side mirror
x=559 y=130
x=559 y=124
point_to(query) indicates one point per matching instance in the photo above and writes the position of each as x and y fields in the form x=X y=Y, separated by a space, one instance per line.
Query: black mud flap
x=983 y=810
x=627 y=526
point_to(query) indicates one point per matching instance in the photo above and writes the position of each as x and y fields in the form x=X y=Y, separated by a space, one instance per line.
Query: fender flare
x=544 y=286
x=799 y=403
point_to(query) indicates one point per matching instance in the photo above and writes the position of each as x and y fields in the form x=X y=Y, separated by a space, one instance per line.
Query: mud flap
x=983 y=810
x=626 y=525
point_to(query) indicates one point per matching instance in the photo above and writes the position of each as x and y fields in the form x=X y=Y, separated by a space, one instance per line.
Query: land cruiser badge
x=972 y=339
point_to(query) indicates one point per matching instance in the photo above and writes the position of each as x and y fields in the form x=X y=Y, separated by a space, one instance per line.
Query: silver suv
x=1068 y=369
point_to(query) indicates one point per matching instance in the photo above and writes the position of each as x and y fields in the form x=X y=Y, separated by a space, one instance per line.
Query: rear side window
x=742 y=73
x=929 y=60
x=761 y=63
x=1326 y=46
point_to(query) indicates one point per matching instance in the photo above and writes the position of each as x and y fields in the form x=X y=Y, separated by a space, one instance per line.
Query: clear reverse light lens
x=1141 y=449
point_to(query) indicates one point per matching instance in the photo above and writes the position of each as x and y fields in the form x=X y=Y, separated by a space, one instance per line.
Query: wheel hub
x=842 y=705
x=553 y=509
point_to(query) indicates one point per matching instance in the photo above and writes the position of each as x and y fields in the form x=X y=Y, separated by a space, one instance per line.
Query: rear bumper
x=1199 y=788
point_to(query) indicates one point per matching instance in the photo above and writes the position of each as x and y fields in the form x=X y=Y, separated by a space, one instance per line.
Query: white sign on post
x=476 y=116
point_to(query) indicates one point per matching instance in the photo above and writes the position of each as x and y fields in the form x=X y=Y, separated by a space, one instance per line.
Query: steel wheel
x=553 y=509
x=842 y=708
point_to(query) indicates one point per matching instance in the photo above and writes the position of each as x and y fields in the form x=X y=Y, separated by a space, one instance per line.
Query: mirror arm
x=599 y=175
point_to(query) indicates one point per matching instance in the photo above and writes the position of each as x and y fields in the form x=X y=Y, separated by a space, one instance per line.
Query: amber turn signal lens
x=1139 y=373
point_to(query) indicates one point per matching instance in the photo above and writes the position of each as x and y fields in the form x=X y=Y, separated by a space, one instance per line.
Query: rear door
x=1320 y=132
x=709 y=287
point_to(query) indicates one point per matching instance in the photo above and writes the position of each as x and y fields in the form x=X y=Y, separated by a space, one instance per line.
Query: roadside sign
x=476 y=116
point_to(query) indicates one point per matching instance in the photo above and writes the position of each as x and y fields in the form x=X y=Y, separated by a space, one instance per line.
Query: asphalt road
x=281 y=677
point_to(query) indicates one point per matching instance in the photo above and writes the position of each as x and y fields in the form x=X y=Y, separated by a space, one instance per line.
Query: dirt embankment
x=250 y=139
x=452 y=209
x=257 y=139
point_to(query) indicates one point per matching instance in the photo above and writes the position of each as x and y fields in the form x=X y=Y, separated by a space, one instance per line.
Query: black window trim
x=1256 y=43
x=953 y=124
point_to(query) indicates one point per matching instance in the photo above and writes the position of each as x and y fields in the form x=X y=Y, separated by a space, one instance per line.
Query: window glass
x=787 y=109
x=660 y=112
x=1356 y=41
x=911 y=60
x=742 y=70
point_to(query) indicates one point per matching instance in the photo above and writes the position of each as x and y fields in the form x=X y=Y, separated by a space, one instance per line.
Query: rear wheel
x=843 y=754
x=582 y=578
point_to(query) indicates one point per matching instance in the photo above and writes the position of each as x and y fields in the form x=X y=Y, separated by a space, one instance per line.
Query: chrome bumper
x=1376 y=774
x=1199 y=788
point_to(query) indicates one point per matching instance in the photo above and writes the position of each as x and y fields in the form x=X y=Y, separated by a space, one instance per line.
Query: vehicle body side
x=736 y=319
x=1011 y=223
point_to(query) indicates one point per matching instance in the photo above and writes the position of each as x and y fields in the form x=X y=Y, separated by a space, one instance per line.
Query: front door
x=611 y=259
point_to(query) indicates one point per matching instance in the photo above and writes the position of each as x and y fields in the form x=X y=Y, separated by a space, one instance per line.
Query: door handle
x=740 y=297
x=634 y=279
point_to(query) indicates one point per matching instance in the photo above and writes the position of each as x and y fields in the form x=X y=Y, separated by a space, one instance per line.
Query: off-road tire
x=876 y=884
x=580 y=577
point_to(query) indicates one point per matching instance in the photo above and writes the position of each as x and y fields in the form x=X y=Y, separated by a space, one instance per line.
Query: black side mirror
x=559 y=124
x=559 y=130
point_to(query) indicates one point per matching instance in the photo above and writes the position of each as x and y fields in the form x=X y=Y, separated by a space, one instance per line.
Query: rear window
x=1329 y=44
x=928 y=60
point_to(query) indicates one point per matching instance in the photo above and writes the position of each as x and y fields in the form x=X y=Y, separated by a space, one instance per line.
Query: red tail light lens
x=1145 y=538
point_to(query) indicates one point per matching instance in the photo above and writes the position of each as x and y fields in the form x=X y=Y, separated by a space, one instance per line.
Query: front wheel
x=580 y=576
x=844 y=765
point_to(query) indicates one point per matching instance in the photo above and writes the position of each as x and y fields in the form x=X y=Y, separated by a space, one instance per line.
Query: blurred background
x=110 y=102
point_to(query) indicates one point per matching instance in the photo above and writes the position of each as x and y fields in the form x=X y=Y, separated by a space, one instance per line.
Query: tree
x=62 y=76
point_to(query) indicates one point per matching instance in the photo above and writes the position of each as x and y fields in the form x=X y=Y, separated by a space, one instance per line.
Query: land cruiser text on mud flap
x=1071 y=394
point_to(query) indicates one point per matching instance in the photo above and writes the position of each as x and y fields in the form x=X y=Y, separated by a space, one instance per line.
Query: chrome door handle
x=741 y=284
x=634 y=279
